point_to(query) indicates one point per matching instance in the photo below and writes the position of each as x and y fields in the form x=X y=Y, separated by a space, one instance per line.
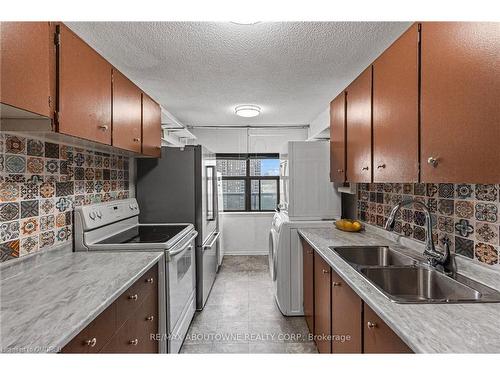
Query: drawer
x=93 y=337
x=133 y=297
x=135 y=335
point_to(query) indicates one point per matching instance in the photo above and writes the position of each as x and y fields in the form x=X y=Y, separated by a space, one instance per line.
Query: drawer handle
x=150 y=280
x=92 y=342
x=381 y=166
x=340 y=170
x=134 y=342
x=150 y=318
x=325 y=271
x=371 y=325
x=364 y=168
x=137 y=139
x=103 y=127
x=336 y=283
x=133 y=297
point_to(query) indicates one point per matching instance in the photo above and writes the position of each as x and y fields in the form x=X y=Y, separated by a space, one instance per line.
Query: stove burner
x=145 y=234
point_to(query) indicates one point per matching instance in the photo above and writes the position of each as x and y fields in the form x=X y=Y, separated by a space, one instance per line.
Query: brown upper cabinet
x=337 y=138
x=151 y=127
x=347 y=317
x=359 y=128
x=27 y=74
x=127 y=113
x=322 y=305
x=460 y=117
x=84 y=90
x=395 y=111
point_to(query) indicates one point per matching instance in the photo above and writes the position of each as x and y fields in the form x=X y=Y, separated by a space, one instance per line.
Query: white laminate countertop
x=46 y=300
x=425 y=328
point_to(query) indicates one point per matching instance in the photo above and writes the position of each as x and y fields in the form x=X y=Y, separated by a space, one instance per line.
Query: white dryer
x=285 y=261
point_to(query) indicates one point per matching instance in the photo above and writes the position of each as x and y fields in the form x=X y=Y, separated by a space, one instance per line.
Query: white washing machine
x=285 y=261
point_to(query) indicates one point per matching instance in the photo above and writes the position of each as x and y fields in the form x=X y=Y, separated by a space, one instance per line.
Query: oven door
x=181 y=278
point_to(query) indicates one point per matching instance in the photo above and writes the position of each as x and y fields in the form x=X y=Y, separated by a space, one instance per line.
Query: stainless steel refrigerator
x=181 y=187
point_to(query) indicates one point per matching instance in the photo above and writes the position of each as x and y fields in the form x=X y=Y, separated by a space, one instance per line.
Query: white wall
x=319 y=124
x=247 y=140
x=246 y=233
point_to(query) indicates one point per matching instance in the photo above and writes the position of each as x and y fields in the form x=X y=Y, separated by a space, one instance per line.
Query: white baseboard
x=246 y=252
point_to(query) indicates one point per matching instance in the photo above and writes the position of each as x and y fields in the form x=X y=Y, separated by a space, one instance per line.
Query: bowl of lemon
x=348 y=225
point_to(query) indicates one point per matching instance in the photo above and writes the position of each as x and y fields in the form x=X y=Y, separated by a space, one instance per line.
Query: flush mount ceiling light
x=245 y=22
x=247 y=110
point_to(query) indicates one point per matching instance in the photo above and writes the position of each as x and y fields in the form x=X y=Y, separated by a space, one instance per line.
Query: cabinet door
x=322 y=305
x=308 y=283
x=337 y=139
x=395 y=111
x=347 y=309
x=378 y=337
x=84 y=90
x=460 y=120
x=151 y=127
x=27 y=66
x=127 y=113
x=359 y=128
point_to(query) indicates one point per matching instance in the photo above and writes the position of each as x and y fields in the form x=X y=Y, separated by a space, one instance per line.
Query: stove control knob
x=92 y=215
x=131 y=206
x=99 y=214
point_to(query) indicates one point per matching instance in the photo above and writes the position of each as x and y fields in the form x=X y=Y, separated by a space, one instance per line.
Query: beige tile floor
x=241 y=315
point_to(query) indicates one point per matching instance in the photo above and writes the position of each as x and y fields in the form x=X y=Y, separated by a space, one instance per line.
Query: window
x=250 y=182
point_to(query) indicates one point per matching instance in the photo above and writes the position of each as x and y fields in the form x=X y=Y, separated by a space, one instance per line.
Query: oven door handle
x=171 y=254
x=211 y=244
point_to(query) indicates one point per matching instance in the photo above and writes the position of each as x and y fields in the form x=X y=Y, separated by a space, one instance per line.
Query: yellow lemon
x=356 y=226
x=348 y=225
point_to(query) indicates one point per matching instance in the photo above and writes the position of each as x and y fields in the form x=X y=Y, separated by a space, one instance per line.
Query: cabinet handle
x=371 y=325
x=364 y=168
x=133 y=297
x=150 y=318
x=381 y=166
x=137 y=139
x=433 y=161
x=325 y=271
x=134 y=342
x=91 y=342
x=150 y=280
x=103 y=127
x=340 y=170
x=336 y=283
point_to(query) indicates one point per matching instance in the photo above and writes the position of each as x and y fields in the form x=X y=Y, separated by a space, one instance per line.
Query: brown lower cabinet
x=378 y=337
x=340 y=320
x=126 y=325
x=322 y=305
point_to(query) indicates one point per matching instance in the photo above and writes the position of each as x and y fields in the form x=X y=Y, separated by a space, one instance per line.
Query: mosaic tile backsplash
x=40 y=184
x=466 y=214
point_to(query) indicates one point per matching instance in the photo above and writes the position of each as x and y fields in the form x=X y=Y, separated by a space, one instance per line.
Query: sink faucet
x=437 y=259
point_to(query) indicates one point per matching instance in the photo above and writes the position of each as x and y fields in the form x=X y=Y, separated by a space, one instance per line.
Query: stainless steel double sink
x=404 y=279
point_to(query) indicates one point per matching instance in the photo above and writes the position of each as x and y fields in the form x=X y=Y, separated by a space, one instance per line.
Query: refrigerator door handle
x=212 y=243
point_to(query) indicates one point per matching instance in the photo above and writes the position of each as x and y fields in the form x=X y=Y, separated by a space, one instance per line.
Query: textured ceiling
x=201 y=71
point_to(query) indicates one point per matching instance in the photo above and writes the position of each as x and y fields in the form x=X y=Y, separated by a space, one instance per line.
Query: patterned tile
x=419 y=218
x=63 y=204
x=486 y=253
x=9 y=250
x=487 y=233
x=419 y=233
x=464 y=191
x=445 y=207
x=446 y=190
x=464 y=209
x=445 y=224
x=29 y=190
x=79 y=173
x=51 y=150
x=9 y=211
x=28 y=245
x=15 y=145
x=29 y=226
x=464 y=228
x=431 y=190
x=34 y=165
x=51 y=166
x=47 y=222
x=15 y=164
x=486 y=192
x=46 y=239
x=486 y=212
x=9 y=231
x=29 y=208
x=35 y=147
x=47 y=206
x=64 y=188
x=464 y=247
x=419 y=189
x=9 y=191
x=47 y=189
